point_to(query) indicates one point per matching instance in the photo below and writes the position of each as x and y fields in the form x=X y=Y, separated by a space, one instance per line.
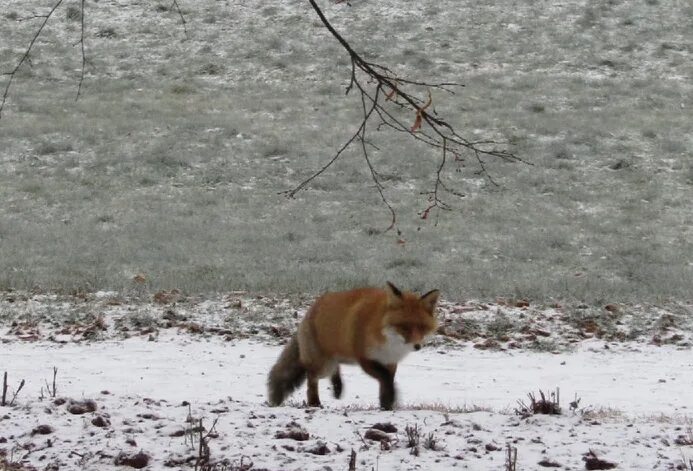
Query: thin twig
x=433 y=197
x=374 y=174
x=428 y=127
x=55 y=373
x=14 y=396
x=203 y=453
x=352 y=460
x=365 y=444
x=84 y=57
x=510 y=458
x=31 y=17
x=182 y=18
x=25 y=56
x=4 y=390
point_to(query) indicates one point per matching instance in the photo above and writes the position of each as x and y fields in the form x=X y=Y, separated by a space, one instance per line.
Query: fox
x=372 y=327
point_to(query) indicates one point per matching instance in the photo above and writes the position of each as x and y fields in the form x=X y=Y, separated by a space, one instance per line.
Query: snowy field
x=134 y=379
x=131 y=215
x=174 y=133
x=634 y=406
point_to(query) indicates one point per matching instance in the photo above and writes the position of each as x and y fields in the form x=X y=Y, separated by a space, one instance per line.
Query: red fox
x=372 y=327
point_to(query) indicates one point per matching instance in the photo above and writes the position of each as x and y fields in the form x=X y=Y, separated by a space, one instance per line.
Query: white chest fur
x=392 y=350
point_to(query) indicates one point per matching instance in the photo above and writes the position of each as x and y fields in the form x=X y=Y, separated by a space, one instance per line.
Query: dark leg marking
x=386 y=378
x=313 y=396
x=336 y=383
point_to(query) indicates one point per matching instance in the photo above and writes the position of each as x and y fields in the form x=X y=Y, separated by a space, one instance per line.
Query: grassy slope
x=171 y=161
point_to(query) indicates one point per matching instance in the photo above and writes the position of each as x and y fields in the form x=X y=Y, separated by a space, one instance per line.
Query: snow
x=644 y=381
x=635 y=402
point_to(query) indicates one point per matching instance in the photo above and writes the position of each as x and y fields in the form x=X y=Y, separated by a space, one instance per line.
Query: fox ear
x=430 y=299
x=393 y=293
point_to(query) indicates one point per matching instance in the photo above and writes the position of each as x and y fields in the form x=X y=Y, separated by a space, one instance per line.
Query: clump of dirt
x=138 y=461
x=293 y=432
x=386 y=427
x=376 y=435
x=592 y=461
x=320 y=448
x=100 y=421
x=42 y=430
x=81 y=407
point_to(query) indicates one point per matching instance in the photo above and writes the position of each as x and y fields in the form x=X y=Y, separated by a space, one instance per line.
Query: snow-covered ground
x=635 y=407
x=646 y=380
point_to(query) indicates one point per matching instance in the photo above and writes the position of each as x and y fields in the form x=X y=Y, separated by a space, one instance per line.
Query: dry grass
x=433 y=406
x=547 y=403
x=601 y=414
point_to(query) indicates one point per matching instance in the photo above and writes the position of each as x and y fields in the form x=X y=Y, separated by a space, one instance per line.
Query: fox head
x=409 y=318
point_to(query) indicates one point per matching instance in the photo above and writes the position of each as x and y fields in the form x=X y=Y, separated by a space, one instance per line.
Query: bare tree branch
x=81 y=43
x=433 y=196
x=384 y=96
x=428 y=128
x=182 y=18
x=25 y=56
x=374 y=175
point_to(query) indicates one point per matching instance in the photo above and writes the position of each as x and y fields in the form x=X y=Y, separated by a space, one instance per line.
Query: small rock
x=42 y=430
x=100 y=421
x=377 y=435
x=148 y=416
x=594 y=462
x=619 y=164
x=546 y=463
x=81 y=407
x=137 y=461
x=294 y=433
x=386 y=427
x=319 y=449
x=179 y=432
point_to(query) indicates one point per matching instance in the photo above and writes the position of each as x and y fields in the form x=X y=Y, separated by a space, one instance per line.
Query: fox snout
x=417 y=346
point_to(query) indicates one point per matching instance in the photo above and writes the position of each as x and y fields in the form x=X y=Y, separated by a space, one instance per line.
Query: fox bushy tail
x=286 y=375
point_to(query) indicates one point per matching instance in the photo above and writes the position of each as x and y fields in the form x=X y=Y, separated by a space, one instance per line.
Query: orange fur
x=373 y=327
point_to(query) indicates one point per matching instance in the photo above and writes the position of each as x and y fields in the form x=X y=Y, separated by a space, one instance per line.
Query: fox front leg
x=386 y=378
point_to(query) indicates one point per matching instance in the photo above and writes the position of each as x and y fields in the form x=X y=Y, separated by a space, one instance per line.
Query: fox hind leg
x=336 y=380
x=313 y=395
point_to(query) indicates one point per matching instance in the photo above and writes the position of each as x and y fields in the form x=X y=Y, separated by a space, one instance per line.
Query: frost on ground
x=140 y=383
x=500 y=325
x=174 y=134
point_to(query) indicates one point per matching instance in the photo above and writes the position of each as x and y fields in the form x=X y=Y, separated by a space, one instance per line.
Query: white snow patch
x=148 y=380
x=646 y=381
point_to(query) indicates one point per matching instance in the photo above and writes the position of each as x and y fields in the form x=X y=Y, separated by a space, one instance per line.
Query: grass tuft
x=547 y=404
